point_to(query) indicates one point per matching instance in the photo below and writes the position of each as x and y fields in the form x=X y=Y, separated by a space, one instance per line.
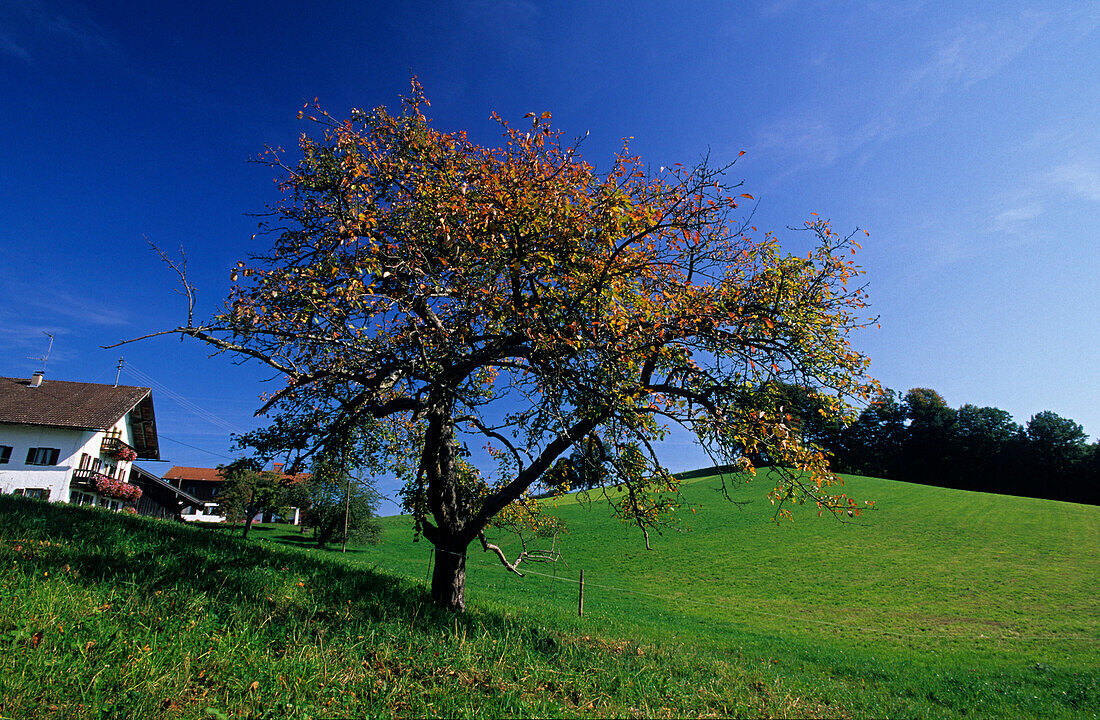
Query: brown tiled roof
x=180 y=472
x=59 y=403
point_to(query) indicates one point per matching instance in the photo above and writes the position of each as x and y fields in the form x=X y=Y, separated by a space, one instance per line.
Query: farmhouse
x=202 y=483
x=74 y=442
x=205 y=484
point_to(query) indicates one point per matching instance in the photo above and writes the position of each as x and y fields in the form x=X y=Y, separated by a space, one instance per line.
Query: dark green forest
x=917 y=437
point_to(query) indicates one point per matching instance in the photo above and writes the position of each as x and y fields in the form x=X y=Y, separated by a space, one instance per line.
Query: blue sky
x=962 y=136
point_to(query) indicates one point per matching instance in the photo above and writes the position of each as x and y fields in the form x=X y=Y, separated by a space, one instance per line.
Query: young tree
x=249 y=491
x=433 y=291
x=336 y=500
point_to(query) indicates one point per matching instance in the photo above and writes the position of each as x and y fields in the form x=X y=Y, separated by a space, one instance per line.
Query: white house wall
x=71 y=443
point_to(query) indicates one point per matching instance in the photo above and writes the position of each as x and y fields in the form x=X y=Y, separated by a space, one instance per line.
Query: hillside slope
x=936 y=604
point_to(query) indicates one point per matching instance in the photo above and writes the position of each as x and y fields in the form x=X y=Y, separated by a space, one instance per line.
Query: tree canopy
x=249 y=490
x=340 y=506
x=432 y=293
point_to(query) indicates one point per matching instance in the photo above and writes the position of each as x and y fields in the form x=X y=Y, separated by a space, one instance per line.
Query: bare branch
x=489 y=547
x=181 y=270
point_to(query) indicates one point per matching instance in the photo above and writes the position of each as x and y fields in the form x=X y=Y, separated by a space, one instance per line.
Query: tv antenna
x=45 y=357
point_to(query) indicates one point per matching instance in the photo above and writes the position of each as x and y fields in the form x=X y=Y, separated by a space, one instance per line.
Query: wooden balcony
x=113 y=487
x=112 y=444
x=88 y=477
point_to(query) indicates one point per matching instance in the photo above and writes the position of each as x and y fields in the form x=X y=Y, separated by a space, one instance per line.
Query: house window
x=5 y=454
x=81 y=498
x=36 y=493
x=42 y=456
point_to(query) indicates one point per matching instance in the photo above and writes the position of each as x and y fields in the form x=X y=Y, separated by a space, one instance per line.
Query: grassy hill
x=939 y=603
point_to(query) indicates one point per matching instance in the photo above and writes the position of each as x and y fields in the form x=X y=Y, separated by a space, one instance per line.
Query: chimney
x=278 y=467
x=36 y=379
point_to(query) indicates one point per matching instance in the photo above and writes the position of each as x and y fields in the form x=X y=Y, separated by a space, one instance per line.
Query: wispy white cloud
x=10 y=47
x=969 y=52
x=46 y=305
x=805 y=140
x=776 y=8
x=973 y=51
x=1014 y=219
x=82 y=310
x=31 y=23
x=511 y=24
x=966 y=54
x=1078 y=177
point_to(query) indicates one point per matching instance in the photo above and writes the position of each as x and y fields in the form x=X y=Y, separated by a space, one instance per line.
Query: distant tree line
x=917 y=437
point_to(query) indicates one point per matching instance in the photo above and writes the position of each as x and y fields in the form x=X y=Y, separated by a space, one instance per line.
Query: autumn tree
x=443 y=295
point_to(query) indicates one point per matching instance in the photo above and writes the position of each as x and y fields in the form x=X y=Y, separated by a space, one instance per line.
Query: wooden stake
x=580 y=599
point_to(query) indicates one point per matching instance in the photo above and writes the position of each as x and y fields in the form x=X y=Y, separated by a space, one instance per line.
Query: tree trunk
x=325 y=531
x=248 y=522
x=449 y=578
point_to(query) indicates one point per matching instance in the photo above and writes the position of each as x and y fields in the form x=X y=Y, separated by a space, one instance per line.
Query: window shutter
x=54 y=453
x=30 y=456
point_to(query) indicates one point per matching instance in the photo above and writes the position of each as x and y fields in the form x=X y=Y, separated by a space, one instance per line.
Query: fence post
x=580 y=599
x=431 y=556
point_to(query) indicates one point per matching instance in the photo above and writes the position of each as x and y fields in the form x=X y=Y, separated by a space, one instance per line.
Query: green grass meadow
x=937 y=603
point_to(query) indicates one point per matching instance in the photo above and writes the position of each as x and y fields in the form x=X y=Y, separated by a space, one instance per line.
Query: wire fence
x=200 y=412
x=587 y=583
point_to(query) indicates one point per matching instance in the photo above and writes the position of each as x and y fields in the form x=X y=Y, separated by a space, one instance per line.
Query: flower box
x=121 y=452
x=117 y=489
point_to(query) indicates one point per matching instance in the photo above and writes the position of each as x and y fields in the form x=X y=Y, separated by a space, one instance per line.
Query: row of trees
x=918 y=437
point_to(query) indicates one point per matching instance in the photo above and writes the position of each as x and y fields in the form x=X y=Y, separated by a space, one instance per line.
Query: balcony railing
x=116 y=448
x=87 y=476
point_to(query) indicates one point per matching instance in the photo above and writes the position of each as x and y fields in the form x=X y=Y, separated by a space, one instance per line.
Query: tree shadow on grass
x=151 y=557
